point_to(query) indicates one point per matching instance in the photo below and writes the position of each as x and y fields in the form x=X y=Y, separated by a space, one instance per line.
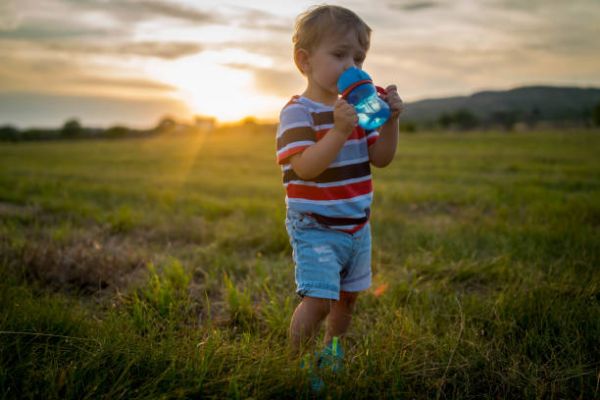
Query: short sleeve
x=295 y=132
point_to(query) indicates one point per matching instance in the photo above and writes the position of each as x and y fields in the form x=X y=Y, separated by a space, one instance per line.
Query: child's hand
x=344 y=117
x=394 y=101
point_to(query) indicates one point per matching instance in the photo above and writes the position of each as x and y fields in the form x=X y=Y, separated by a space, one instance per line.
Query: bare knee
x=320 y=307
x=348 y=299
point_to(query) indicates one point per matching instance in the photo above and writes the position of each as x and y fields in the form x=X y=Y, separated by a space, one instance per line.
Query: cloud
x=254 y=19
x=498 y=26
x=122 y=83
x=277 y=49
x=425 y=71
x=428 y=47
x=413 y=5
x=26 y=109
x=539 y=5
x=50 y=71
x=10 y=17
x=279 y=83
x=54 y=21
x=276 y=82
x=164 y=50
x=569 y=28
x=39 y=32
x=136 y=11
x=80 y=19
x=172 y=10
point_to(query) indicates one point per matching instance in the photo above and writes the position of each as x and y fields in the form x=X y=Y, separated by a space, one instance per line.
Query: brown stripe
x=341 y=221
x=322 y=118
x=334 y=174
x=300 y=134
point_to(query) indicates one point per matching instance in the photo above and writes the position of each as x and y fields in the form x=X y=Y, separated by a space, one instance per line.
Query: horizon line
x=190 y=117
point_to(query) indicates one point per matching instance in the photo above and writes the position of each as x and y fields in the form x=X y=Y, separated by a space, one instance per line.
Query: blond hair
x=322 y=21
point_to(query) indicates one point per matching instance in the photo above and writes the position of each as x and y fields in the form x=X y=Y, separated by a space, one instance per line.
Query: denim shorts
x=327 y=260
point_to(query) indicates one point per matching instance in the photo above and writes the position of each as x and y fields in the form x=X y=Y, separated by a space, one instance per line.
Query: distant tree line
x=460 y=120
x=73 y=129
x=465 y=120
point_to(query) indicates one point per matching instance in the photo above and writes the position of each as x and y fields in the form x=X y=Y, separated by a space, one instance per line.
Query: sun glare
x=218 y=84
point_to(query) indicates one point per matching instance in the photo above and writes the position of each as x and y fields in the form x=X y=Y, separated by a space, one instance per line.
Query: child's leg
x=307 y=318
x=340 y=315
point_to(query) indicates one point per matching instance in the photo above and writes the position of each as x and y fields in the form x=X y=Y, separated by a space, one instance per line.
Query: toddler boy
x=325 y=158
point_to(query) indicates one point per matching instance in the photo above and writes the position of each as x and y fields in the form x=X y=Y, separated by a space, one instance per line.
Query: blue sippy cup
x=356 y=87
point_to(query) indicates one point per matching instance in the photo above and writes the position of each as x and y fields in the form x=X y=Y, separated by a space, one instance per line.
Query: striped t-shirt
x=340 y=197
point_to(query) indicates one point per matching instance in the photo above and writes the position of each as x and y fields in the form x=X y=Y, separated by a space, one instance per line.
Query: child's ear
x=301 y=58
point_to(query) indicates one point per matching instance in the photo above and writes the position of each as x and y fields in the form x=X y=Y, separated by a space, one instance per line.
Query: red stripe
x=288 y=153
x=355 y=229
x=320 y=134
x=350 y=88
x=372 y=139
x=329 y=193
x=357 y=133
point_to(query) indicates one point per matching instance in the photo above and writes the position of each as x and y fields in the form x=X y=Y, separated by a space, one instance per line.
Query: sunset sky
x=132 y=62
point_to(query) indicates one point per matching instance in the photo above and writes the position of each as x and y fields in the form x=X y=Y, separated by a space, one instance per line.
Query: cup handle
x=380 y=90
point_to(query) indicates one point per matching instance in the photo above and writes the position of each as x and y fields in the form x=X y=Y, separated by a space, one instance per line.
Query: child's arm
x=316 y=158
x=382 y=152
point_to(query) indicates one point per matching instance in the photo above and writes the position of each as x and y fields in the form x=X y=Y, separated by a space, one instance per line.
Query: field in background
x=160 y=267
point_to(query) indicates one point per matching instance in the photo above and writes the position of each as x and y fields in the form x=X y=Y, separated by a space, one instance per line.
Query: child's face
x=333 y=56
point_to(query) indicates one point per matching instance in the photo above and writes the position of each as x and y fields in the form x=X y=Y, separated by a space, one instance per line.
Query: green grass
x=160 y=268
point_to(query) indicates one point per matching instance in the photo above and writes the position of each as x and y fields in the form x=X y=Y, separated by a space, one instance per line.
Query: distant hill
x=544 y=103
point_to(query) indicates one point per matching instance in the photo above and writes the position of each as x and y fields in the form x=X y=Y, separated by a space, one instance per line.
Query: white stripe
x=333 y=164
x=323 y=127
x=330 y=202
x=313 y=105
x=286 y=167
x=295 y=144
x=349 y=141
x=300 y=124
x=351 y=211
x=355 y=141
x=344 y=227
x=348 y=162
x=330 y=184
x=356 y=216
x=294 y=107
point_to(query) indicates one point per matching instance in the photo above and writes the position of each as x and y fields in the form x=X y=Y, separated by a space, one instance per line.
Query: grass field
x=160 y=268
